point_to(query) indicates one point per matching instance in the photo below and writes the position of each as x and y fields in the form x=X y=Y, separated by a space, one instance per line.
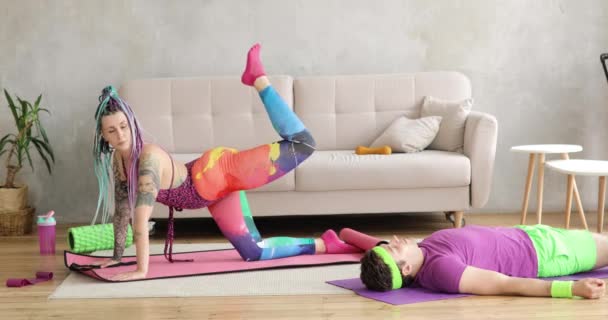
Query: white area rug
x=296 y=281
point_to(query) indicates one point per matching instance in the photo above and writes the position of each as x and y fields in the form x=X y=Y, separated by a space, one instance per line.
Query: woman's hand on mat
x=105 y=263
x=589 y=288
x=131 y=275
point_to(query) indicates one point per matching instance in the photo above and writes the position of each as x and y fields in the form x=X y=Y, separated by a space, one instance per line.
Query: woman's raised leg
x=224 y=173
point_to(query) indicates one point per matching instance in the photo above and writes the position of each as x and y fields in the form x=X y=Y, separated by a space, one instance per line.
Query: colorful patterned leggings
x=222 y=174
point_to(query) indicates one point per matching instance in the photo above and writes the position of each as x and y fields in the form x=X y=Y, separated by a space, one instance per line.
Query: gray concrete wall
x=533 y=64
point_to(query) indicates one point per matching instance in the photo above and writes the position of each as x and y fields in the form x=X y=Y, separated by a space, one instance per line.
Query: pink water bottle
x=46 y=233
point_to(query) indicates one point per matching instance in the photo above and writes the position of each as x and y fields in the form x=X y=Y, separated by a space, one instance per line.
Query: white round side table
x=583 y=167
x=541 y=150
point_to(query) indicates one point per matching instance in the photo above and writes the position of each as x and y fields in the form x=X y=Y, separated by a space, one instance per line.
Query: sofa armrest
x=480 y=136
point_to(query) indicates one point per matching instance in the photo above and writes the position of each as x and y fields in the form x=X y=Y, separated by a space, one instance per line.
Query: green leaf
x=23 y=116
x=13 y=141
x=11 y=105
x=45 y=110
x=42 y=131
x=37 y=103
x=46 y=147
x=4 y=141
x=23 y=106
x=42 y=155
x=29 y=158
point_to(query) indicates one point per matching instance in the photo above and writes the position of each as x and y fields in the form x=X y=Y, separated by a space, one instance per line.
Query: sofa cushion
x=344 y=170
x=453 y=119
x=409 y=135
x=343 y=112
x=285 y=183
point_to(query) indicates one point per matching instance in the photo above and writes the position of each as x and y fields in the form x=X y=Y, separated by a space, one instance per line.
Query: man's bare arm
x=486 y=282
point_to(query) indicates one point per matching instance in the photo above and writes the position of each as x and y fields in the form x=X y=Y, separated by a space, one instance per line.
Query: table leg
x=541 y=177
x=569 y=199
x=577 y=197
x=600 y=204
x=524 y=207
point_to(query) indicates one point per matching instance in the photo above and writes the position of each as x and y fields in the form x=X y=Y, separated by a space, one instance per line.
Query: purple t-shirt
x=448 y=252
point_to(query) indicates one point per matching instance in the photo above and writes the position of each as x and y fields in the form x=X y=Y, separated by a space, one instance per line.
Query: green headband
x=390 y=262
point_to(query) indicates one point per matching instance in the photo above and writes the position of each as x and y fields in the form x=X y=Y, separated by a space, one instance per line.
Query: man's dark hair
x=376 y=275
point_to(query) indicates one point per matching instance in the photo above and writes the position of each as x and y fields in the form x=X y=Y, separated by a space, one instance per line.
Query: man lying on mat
x=491 y=261
x=144 y=173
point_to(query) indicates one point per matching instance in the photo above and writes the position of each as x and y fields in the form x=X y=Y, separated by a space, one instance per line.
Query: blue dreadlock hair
x=110 y=103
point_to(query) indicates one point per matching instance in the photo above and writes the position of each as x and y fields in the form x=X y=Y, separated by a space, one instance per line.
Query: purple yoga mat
x=415 y=295
x=394 y=297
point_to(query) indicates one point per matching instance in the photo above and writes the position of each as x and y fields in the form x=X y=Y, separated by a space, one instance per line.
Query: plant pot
x=13 y=199
x=16 y=222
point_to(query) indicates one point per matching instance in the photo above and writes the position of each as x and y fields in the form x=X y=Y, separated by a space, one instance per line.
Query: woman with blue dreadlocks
x=143 y=173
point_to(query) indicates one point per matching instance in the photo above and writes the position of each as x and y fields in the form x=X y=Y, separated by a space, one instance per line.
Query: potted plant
x=16 y=147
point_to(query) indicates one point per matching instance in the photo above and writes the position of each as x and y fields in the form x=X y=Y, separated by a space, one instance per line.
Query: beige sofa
x=189 y=115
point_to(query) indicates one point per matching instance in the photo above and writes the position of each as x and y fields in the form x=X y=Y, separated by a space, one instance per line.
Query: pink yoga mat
x=205 y=262
x=415 y=295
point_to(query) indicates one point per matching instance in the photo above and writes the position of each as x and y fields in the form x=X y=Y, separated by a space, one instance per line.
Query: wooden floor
x=20 y=259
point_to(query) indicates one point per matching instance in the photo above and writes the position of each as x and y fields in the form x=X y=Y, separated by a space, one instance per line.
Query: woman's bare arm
x=149 y=179
x=122 y=212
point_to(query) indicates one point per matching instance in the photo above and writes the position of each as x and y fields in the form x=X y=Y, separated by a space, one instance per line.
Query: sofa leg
x=456 y=218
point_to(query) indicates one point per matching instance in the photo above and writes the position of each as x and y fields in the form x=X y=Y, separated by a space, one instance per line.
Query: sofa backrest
x=343 y=112
x=191 y=115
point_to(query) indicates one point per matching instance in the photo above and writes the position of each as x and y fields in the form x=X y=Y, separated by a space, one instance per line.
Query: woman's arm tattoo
x=122 y=213
x=149 y=180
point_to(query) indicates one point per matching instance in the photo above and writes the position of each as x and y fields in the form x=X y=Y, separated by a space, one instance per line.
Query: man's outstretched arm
x=486 y=282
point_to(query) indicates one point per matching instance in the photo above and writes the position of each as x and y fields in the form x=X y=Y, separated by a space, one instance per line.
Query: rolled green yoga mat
x=96 y=237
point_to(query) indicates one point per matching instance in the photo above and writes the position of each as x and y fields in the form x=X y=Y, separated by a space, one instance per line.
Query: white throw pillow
x=453 y=118
x=409 y=135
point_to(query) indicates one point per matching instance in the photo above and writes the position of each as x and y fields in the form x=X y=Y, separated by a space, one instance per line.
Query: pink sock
x=333 y=244
x=254 y=68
